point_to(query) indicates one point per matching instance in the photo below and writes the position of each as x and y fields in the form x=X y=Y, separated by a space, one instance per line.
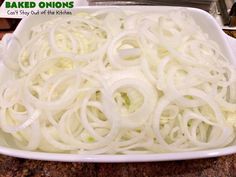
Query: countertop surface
x=213 y=167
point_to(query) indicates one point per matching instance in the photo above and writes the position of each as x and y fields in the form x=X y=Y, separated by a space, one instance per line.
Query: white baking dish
x=208 y=24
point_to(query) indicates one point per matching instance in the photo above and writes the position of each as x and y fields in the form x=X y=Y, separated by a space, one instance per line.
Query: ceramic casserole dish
x=208 y=25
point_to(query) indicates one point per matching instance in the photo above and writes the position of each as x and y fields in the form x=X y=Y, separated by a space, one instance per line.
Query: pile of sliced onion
x=112 y=82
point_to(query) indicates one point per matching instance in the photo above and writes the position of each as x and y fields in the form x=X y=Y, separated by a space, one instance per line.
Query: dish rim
x=60 y=157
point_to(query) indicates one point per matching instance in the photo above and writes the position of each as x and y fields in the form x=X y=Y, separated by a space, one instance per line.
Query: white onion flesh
x=117 y=82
